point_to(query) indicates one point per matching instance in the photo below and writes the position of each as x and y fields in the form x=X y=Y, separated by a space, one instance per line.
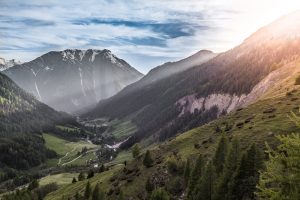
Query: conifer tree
x=247 y=175
x=87 y=192
x=90 y=174
x=281 y=178
x=148 y=161
x=205 y=188
x=96 y=192
x=231 y=165
x=74 y=180
x=102 y=168
x=136 y=150
x=187 y=171
x=196 y=175
x=81 y=176
x=220 y=155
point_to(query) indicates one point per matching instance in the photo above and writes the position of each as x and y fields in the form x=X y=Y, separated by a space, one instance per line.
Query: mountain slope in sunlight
x=230 y=80
x=71 y=80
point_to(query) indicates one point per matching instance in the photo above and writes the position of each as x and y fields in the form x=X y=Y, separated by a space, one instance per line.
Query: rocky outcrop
x=224 y=102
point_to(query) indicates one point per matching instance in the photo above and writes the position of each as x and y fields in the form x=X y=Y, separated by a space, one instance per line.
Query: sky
x=144 y=33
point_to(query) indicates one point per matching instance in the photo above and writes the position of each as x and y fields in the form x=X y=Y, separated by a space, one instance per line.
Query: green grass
x=123 y=130
x=60 y=179
x=68 y=150
x=70 y=190
x=121 y=157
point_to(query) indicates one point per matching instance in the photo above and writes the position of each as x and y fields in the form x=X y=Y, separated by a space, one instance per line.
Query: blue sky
x=144 y=33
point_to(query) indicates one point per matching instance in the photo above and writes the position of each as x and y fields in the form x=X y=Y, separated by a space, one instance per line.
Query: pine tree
x=160 y=194
x=136 y=150
x=231 y=165
x=206 y=187
x=81 y=176
x=148 y=161
x=196 y=175
x=74 y=180
x=87 y=192
x=247 y=175
x=281 y=178
x=34 y=184
x=187 y=171
x=220 y=155
x=90 y=174
x=149 y=186
x=96 y=192
x=102 y=168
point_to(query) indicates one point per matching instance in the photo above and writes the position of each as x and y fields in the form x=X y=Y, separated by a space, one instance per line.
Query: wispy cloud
x=146 y=33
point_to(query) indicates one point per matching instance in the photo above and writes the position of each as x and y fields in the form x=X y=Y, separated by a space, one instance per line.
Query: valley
x=85 y=125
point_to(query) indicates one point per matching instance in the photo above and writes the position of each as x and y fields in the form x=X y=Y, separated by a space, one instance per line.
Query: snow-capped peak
x=7 y=64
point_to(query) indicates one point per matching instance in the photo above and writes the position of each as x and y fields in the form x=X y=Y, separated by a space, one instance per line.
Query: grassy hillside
x=258 y=123
x=68 y=151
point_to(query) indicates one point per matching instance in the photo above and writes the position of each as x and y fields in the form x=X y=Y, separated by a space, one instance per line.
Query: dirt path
x=77 y=157
x=59 y=161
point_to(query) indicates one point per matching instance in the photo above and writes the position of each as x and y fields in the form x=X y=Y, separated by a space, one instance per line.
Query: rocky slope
x=71 y=80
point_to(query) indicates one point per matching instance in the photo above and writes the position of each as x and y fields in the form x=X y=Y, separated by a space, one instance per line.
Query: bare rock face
x=224 y=102
x=71 y=80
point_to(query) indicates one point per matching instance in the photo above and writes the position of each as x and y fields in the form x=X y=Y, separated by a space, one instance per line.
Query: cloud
x=146 y=33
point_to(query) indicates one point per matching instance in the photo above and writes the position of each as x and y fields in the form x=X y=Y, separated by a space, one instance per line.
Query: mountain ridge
x=73 y=79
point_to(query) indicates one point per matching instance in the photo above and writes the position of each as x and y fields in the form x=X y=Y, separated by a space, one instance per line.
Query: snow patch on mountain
x=5 y=64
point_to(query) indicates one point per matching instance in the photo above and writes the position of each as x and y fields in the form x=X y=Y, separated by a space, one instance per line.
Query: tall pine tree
x=220 y=155
x=246 y=177
x=205 y=188
x=87 y=192
x=231 y=165
x=195 y=175
x=281 y=179
x=148 y=161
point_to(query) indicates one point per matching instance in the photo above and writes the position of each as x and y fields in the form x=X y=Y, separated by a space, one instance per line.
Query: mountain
x=232 y=79
x=171 y=68
x=22 y=120
x=71 y=80
x=268 y=86
x=7 y=64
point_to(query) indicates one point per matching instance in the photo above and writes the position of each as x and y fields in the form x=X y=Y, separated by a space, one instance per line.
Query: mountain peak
x=5 y=64
x=72 y=79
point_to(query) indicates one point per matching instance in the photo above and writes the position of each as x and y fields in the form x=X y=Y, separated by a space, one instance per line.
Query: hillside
x=22 y=120
x=200 y=94
x=72 y=80
x=258 y=123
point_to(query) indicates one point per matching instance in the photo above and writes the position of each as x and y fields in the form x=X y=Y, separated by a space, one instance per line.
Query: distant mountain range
x=4 y=64
x=71 y=80
x=201 y=93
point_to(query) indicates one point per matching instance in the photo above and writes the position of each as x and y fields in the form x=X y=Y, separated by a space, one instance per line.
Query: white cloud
x=228 y=23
